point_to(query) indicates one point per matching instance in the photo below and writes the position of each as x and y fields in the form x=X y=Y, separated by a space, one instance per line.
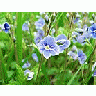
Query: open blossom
x=25 y=27
x=37 y=39
x=92 y=30
x=81 y=56
x=40 y=33
x=73 y=53
x=26 y=65
x=40 y=23
x=48 y=47
x=6 y=27
x=38 y=36
x=35 y=57
x=62 y=42
x=75 y=36
x=82 y=35
x=81 y=39
x=30 y=74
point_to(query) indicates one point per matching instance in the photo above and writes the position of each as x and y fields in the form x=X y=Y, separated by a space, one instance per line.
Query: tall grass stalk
x=3 y=73
x=19 y=37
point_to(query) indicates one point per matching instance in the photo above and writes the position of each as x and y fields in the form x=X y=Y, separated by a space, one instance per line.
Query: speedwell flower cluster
x=51 y=46
x=77 y=54
x=83 y=35
x=27 y=71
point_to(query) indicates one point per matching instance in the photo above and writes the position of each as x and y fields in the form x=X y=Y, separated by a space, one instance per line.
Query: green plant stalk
x=3 y=74
x=10 y=59
x=94 y=80
x=64 y=66
x=82 y=72
x=49 y=63
x=56 y=19
x=19 y=38
x=45 y=73
x=39 y=67
x=73 y=77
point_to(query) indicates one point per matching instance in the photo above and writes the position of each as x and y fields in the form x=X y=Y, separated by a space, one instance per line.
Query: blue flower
x=38 y=36
x=73 y=53
x=74 y=48
x=6 y=27
x=35 y=57
x=81 y=39
x=30 y=74
x=37 y=39
x=48 y=47
x=40 y=33
x=40 y=23
x=25 y=27
x=81 y=36
x=26 y=65
x=62 y=42
x=76 y=21
x=92 y=30
x=75 y=36
x=81 y=56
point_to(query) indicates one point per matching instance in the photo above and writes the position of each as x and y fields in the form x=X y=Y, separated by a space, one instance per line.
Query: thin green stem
x=19 y=37
x=39 y=67
x=3 y=74
x=82 y=72
x=69 y=83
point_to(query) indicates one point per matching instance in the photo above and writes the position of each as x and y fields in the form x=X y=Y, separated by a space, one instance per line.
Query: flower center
x=47 y=47
x=61 y=42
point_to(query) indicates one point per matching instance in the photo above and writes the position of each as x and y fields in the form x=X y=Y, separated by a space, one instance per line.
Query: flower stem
x=39 y=67
x=64 y=67
x=82 y=72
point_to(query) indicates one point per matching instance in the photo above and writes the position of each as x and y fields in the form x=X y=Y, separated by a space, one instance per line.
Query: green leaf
x=52 y=71
x=10 y=73
x=1 y=44
x=72 y=79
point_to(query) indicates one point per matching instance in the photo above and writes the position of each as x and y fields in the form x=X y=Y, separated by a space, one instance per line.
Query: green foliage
x=20 y=78
x=12 y=53
x=64 y=77
x=19 y=37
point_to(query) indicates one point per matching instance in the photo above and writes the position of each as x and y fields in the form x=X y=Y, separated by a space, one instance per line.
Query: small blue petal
x=35 y=57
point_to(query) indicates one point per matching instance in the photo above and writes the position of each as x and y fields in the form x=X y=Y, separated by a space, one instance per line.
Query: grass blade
x=69 y=83
x=19 y=37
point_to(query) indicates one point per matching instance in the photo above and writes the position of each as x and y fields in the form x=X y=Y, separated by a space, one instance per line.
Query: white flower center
x=47 y=47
